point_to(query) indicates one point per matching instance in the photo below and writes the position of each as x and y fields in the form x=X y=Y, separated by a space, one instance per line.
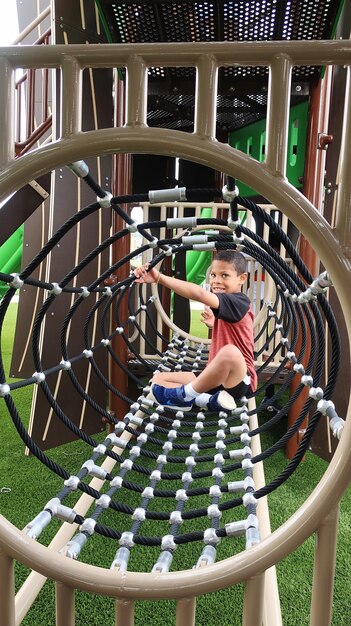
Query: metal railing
x=33 y=86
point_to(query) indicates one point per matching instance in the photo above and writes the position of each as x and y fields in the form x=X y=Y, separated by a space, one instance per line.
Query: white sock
x=190 y=392
x=202 y=399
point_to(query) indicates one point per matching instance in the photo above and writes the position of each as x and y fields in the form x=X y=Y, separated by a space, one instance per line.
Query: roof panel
x=217 y=20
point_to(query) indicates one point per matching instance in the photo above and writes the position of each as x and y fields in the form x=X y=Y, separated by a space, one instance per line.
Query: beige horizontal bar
x=182 y=54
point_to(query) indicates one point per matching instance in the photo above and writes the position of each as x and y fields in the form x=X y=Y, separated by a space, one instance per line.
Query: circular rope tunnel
x=191 y=477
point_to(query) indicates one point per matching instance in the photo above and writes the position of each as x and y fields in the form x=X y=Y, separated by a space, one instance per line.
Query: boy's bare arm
x=181 y=287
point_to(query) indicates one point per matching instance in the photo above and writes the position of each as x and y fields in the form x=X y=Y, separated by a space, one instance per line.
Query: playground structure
x=268 y=178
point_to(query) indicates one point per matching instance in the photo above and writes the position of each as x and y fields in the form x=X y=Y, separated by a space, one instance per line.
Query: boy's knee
x=158 y=379
x=230 y=352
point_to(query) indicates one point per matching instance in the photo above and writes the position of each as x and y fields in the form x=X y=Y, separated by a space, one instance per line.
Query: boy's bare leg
x=228 y=368
x=173 y=379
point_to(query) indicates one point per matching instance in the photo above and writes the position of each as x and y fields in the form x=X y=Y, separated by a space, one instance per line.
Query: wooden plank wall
x=74 y=22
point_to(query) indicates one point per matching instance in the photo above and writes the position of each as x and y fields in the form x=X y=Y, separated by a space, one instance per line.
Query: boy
x=230 y=371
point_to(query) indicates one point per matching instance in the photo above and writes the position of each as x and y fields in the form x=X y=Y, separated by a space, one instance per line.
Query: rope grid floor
x=191 y=475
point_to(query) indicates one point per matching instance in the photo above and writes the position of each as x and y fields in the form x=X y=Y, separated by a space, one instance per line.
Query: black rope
x=307 y=320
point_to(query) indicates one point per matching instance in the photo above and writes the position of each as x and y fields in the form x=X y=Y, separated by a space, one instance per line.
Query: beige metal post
x=271 y=608
x=65 y=610
x=71 y=99
x=206 y=97
x=7 y=95
x=7 y=590
x=278 y=110
x=186 y=608
x=253 y=601
x=136 y=92
x=124 y=612
x=324 y=570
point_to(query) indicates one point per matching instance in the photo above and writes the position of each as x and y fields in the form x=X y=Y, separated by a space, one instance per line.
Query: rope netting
x=175 y=478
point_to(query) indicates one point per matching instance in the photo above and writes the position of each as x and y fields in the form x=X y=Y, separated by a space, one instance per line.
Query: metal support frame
x=268 y=179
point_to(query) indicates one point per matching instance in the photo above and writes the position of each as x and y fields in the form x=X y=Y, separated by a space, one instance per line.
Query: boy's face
x=224 y=278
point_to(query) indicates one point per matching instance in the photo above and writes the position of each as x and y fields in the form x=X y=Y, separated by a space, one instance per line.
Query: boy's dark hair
x=233 y=257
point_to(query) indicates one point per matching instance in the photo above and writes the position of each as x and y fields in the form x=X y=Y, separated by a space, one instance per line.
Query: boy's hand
x=207 y=317
x=143 y=276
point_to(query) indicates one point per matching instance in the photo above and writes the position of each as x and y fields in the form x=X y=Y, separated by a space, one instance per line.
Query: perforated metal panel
x=216 y=20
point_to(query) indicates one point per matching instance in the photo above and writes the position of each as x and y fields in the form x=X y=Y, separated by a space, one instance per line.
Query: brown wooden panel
x=20 y=206
x=68 y=196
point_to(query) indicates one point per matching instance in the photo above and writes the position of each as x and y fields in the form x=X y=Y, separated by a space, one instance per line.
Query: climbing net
x=169 y=479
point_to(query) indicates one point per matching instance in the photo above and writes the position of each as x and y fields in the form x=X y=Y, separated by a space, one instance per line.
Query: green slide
x=11 y=256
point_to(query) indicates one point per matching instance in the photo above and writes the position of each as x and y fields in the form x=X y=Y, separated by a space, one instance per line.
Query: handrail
x=40 y=18
x=23 y=146
x=33 y=132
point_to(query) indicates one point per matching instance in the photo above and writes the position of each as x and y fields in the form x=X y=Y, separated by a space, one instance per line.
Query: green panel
x=252 y=139
x=11 y=256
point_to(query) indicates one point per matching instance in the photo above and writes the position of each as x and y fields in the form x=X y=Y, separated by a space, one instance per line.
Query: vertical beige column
x=7 y=97
x=186 y=608
x=71 y=97
x=136 y=109
x=253 y=601
x=324 y=570
x=278 y=108
x=343 y=203
x=271 y=602
x=65 y=610
x=206 y=97
x=124 y=612
x=7 y=590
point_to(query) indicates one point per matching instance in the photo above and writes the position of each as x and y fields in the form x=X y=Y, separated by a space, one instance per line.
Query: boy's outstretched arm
x=181 y=287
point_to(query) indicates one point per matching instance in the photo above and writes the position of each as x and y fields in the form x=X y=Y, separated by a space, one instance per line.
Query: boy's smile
x=224 y=278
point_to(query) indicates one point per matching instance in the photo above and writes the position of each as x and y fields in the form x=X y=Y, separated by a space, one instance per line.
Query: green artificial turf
x=32 y=485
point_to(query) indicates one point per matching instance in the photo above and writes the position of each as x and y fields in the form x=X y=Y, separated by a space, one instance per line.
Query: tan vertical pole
x=253 y=601
x=206 y=97
x=271 y=603
x=122 y=185
x=7 y=590
x=65 y=610
x=124 y=612
x=186 y=608
x=71 y=97
x=278 y=109
x=136 y=110
x=343 y=203
x=324 y=570
x=7 y=95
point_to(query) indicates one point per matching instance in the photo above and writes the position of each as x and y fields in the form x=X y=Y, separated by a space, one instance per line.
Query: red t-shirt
x=234 y=324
